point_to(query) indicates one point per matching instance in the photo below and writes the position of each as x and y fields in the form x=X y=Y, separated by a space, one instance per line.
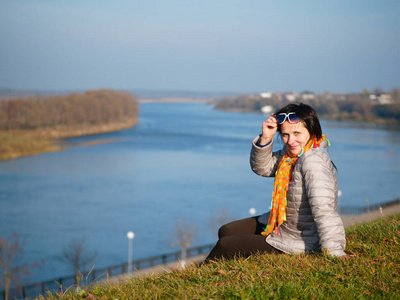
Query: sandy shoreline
x=349 y=220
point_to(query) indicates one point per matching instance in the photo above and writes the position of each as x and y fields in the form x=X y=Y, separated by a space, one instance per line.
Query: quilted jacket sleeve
x=321 y=189
x=263 y=161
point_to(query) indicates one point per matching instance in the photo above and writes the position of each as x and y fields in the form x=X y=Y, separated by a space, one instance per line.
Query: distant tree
x=389 y=111
x=329 y=109
x=95 y=107
x=11 y=261
x=395 y=93
x=224 y=104
x=182 y=236
x=78 y=256
x=222 y=217
x=365 y=93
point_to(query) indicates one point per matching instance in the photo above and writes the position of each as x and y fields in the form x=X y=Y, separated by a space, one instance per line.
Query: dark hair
x=307 y=115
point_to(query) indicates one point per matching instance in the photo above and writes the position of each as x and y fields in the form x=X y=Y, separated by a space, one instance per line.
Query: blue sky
x=201 y=45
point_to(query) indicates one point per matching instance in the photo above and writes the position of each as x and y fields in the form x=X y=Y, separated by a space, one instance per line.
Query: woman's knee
x=221 y=231
x=224 y=243
x=220 y=250
x=225 y=230
x=224 y=247
x=244 y=226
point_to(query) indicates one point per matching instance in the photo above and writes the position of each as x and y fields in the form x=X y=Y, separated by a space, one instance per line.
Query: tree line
x=93 y=107
x=356 y=107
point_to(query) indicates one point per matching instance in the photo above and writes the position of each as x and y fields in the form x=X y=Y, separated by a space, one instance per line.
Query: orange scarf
x=281 y=185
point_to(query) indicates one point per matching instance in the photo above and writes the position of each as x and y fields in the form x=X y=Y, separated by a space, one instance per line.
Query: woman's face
x=294 y=136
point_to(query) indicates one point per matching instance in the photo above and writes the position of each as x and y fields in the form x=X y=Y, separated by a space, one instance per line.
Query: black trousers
x=240 y=238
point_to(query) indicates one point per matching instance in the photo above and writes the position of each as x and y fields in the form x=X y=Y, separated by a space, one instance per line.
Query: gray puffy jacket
x=312 y=222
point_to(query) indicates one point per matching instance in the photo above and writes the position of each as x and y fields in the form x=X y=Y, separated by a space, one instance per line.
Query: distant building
x=254 y=97
x=308 y=95
x=381 y=98
x=266 y=95
x=279 y=96
x=267 y=109
x=291 y=96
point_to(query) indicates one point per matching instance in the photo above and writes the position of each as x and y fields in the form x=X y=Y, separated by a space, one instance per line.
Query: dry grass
x=18 y=143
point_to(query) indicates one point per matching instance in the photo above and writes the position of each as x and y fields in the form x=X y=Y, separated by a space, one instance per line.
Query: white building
x=267 y=109
x=308 y=96
x=291 y=96
x=266 y=95
x=381 y=98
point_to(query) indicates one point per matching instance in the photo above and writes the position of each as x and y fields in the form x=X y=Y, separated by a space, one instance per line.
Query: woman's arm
x=321 y=189
x=263 y=161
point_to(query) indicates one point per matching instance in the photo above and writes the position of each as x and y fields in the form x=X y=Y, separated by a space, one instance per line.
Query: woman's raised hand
x=269 y=127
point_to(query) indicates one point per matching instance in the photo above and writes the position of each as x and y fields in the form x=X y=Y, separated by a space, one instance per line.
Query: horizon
x=165 y=93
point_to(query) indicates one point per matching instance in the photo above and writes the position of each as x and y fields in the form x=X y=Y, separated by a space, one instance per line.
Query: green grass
x=371 y=270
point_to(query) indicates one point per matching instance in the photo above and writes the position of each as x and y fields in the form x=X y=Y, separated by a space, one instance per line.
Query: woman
x=303 y=216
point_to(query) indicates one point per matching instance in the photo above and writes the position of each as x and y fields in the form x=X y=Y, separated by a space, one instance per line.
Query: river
x=182 y=160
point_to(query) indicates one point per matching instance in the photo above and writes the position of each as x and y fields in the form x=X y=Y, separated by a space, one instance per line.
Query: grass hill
x=370 y=270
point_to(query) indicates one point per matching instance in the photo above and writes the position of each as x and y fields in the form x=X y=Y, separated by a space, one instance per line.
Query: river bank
x=353 y=219
x=20 y=143
x=35 y=124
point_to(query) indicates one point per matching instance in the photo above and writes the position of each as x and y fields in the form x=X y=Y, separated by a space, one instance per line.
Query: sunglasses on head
x=291 y=117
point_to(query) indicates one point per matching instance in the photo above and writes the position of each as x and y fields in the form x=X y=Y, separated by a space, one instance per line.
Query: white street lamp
x=130 y=235
x=252 y=211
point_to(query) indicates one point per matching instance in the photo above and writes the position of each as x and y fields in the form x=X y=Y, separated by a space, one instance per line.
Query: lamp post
x=252 y=211
x=339 y=201
x=130 y=235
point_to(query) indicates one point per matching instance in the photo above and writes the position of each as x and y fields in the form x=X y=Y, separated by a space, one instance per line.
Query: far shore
x=174 y=100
